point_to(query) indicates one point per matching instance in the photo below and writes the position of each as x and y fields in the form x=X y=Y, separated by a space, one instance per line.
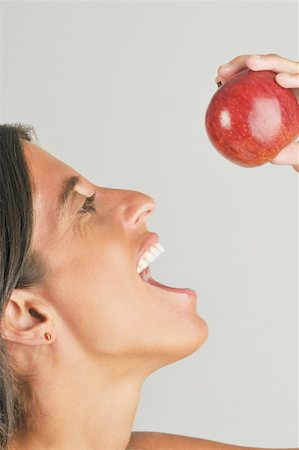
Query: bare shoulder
x=149 y=440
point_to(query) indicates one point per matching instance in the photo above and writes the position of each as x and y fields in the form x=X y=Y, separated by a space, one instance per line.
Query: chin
x=197 y=335
x=185 y=343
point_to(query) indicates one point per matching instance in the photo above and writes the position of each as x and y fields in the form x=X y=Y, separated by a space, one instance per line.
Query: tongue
x=146 y=276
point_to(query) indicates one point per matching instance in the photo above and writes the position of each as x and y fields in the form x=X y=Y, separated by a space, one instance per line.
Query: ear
x=26 y=319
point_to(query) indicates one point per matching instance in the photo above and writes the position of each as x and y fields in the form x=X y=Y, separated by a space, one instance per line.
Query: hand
x=287 y=76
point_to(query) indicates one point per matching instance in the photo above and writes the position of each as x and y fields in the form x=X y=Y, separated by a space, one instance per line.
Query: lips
x=151 y=239
x=147 y=278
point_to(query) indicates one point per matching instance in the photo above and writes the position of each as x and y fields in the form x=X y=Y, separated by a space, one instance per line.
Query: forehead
x=47 y=174
x=46 y=170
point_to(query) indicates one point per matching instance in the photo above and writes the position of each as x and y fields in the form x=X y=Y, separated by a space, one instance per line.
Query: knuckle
x=242 y=57
x=273 y=55
x=250 y=57
x=237 y=58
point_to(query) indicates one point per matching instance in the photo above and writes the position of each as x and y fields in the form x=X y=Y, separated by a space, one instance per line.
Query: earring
x=47 y=336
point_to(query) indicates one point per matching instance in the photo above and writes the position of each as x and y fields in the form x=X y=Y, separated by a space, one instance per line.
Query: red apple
x=251 y=118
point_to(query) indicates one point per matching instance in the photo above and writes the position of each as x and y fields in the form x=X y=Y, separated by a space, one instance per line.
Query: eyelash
x=88 y=205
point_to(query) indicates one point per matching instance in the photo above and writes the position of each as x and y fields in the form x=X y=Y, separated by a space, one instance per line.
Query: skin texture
x=164 y=441
x=287 y=76
x=109 y=329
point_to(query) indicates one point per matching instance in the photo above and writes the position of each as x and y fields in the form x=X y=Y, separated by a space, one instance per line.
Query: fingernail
x=256 y=56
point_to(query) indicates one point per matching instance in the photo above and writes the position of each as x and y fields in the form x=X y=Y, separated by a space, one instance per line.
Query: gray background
x=118 y=90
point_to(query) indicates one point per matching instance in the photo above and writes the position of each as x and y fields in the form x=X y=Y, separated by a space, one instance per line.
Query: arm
x=147 y=440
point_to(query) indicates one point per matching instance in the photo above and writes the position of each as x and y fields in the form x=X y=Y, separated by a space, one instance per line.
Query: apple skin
x=251 y=118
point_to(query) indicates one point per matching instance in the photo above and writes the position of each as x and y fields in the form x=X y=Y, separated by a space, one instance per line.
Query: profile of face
x=97 y=306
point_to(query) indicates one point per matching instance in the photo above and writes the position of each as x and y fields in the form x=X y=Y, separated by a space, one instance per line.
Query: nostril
x=137 y=215
x=139 y=210
x=143 y=215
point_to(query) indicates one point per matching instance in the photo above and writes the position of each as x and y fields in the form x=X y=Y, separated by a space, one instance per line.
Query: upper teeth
x=149 y=256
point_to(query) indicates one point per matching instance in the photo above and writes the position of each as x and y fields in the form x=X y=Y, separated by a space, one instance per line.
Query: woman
x=82 y=324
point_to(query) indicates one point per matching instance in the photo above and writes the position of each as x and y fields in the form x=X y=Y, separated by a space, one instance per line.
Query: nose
x=132 y=208
x=136 y=208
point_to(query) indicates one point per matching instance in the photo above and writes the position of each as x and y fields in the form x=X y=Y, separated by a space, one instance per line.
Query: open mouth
x=150 y=252
x=147 y=278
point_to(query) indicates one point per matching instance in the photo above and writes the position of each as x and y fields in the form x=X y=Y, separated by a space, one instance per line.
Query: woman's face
x=99 y=299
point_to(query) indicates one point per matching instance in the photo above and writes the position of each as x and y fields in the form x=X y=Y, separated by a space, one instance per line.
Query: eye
x=88 y=205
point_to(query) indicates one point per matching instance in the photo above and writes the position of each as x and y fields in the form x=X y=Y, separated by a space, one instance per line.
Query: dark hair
x=20 y=267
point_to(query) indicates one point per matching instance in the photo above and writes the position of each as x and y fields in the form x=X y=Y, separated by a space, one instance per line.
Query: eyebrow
x=66 y=190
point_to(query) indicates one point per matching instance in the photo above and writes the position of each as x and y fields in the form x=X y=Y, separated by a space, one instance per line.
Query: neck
x=82 y=409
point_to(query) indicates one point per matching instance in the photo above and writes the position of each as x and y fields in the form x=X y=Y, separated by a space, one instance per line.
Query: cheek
x=95 y=291
x=108 y=310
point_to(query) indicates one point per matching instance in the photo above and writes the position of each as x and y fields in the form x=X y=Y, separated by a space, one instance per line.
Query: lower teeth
x=145 y=274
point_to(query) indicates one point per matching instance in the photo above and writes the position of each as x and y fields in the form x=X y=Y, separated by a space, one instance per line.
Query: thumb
x=288 y=155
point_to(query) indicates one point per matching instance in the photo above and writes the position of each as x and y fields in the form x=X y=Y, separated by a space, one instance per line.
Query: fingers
x=226 y=71
x=289 y=155
x=233 y=66
x=273 y=62
x=287 y=80
x=260 y=62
